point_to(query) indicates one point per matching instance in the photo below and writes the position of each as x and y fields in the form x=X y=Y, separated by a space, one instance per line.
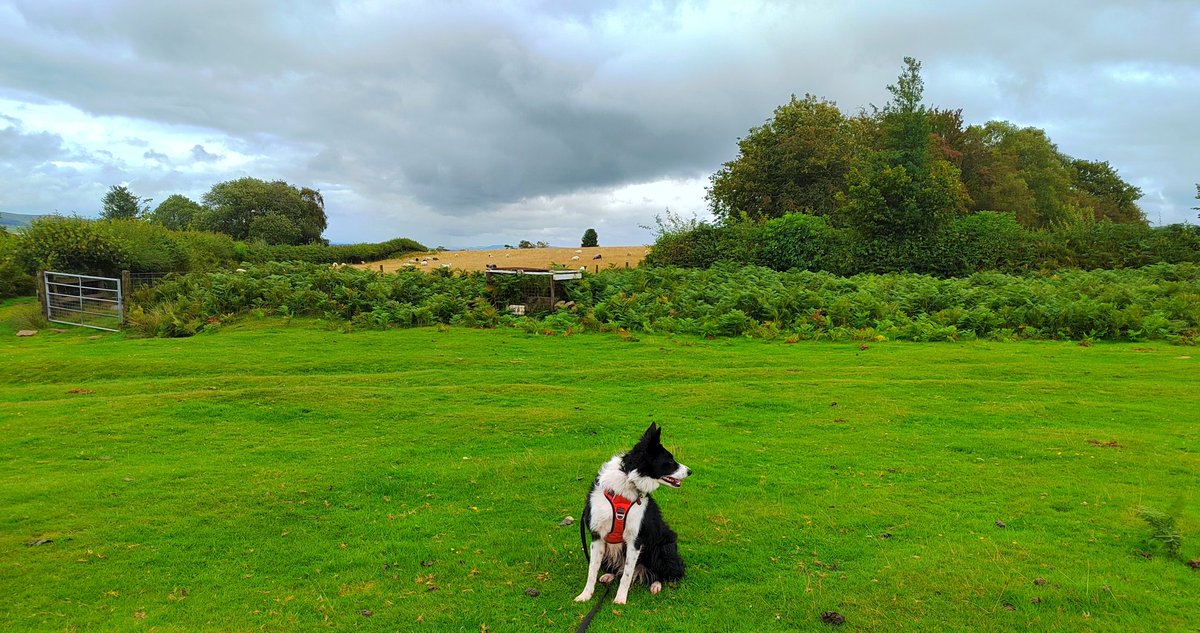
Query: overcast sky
x=464 y=123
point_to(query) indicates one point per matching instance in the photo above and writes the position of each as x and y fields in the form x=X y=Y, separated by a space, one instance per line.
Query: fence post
x=43 y=298
x=123 y=292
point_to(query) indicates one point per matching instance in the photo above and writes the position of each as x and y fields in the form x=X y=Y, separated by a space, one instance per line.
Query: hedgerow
x=106 y=247
x=345 y=253
x=1159 y=302
x=973 y=243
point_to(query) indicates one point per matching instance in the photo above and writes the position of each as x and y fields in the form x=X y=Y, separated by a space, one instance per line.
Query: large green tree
x=177 y=212
x=1020 y=171
x=122 y=204
x=231 y=207
x=796 y=162
x=907 y=189
x=274 y=228
x=590 y=238
x=1101 y=190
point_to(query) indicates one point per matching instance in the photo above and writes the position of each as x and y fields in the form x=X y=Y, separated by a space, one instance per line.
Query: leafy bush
x=14 y=281
x=694 y=244
x=982 y=241
x=960 y=247
x=72 y=245
x=345 y=254
x=188 y=303
x=106 y=247
x=806 y=242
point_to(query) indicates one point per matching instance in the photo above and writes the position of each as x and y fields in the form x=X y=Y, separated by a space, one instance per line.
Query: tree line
x=905 y=168
x=909 y=187
x=246 y=209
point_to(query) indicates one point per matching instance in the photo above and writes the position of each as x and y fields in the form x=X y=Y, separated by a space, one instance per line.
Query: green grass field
x=289 y=477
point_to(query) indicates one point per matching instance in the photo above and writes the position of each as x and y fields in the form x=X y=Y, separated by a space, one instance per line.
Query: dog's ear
x=652 y=434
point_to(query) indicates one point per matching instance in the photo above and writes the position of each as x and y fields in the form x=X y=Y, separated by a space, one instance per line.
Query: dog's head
x=648 y=465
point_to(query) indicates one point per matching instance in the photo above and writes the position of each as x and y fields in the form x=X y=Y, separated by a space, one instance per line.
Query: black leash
x=587 y=619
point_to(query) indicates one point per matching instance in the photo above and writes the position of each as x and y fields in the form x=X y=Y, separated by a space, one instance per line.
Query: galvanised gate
x=84 y=300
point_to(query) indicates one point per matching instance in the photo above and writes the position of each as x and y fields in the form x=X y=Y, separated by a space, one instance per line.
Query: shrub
x=72 y=245
x=345 y=254
x=14 y=280
x=806 y=242
x=1163 y=529
x=700 y=244
x=983 y=241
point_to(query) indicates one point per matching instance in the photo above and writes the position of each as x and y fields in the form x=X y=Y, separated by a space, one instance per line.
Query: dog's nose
x=689 y=474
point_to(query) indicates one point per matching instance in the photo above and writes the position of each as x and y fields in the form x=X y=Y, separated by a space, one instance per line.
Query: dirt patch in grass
x=610 y=256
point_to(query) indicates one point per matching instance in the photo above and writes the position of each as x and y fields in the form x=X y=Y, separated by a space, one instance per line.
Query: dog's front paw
x=583 y=597
x=619 y=599
x=655 y=587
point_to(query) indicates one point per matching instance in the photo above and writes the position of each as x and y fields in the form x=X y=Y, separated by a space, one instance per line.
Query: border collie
x=629 y=537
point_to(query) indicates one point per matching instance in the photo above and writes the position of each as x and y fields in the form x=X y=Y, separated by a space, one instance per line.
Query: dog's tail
x=583 y=522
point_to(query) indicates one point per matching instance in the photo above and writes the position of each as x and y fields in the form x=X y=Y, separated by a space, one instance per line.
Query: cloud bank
x=471 y=123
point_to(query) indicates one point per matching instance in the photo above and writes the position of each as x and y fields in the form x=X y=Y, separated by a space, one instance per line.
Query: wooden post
x=43 y=299
x=381 y=268
x=126 y=288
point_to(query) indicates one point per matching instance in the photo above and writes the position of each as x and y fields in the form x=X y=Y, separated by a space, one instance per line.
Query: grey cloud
x=17 y=146
x=157 y=156
x=201 y=155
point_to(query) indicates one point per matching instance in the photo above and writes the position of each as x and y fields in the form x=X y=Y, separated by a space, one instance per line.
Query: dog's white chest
x=603 y=519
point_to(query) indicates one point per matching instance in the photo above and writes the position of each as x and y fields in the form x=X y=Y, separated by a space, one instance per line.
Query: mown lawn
x=289 y=477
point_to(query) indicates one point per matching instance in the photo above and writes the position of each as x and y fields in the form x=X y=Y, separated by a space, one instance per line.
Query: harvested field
x=610 y=256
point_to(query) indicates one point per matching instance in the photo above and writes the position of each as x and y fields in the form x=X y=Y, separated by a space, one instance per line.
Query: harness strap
x=620 y=509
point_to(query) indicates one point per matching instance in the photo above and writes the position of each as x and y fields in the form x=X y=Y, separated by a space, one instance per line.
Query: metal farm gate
x=84 y=300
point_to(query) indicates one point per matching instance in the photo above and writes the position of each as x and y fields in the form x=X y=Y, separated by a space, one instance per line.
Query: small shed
x=529 y=291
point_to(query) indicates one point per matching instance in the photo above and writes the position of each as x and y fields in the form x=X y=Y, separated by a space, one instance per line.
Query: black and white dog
x=629 y=537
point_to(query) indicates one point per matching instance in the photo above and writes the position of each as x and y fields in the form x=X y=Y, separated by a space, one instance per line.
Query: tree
x=796 y=162
x=590 y=238
x=906 y=123
x=1099 y=188
x=904 y=191
x=121 y=204
x=176 y=213
x=525 y=244
x=1197 y=197
x=274 y=228
x=1026 y=159
x=231 y=207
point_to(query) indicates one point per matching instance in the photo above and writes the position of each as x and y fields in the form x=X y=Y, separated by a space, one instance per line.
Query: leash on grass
x=587 y=619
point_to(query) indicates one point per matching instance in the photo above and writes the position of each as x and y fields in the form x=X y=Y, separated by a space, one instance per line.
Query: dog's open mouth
x=672 y=482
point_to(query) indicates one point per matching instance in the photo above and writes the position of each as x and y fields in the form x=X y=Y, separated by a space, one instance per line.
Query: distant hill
x=16 y=220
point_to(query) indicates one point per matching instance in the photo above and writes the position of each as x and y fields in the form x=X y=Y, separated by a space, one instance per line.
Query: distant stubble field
x=608 y=256
x=284 y=476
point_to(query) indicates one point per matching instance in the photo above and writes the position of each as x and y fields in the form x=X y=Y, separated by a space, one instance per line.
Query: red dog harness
x=620 y=508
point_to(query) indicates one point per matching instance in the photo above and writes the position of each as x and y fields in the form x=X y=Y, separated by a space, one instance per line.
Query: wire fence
x=133 y=281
